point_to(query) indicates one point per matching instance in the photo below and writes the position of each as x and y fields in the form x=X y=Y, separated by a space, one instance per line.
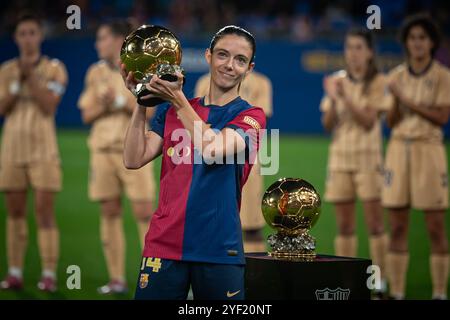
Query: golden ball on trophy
x=292 y=207
x=151 y=50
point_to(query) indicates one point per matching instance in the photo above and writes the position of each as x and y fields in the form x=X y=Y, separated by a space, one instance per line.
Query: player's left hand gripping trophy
x=291 y=206
x=151 y=50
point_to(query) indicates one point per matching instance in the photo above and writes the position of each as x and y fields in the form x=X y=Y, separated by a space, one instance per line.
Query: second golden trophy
x=292 y=207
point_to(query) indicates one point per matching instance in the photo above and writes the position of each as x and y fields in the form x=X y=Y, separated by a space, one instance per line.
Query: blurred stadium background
x=297 y=43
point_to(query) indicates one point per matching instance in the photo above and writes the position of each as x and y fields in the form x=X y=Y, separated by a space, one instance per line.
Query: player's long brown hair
x=372 y=69
x=427 y=23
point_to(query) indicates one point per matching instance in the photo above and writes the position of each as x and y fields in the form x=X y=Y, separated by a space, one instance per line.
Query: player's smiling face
x=230 y=61
x=418 y=43
x=28 y=36
x=357 y=53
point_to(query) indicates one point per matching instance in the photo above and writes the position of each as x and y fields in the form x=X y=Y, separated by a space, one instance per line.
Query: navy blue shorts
x=162 y=279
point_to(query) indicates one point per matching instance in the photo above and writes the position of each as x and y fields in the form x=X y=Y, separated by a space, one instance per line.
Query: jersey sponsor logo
x=170 y=151
x=179 y=152
x=232 y=294
x=252 y=122
x=143 y=280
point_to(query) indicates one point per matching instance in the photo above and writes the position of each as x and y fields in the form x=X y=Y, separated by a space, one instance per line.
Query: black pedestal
x=324 y=278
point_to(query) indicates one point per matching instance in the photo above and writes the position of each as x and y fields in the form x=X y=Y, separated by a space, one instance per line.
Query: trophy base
x=292 y=247
x=148 y=102
x=296 y=256
x=323 y=277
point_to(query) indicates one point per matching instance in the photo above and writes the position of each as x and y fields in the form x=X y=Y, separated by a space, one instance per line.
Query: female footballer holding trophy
x=195 y=235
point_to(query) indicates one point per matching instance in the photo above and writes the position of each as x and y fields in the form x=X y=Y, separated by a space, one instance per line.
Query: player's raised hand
x=167 y=90
x=128 y=78
x=107 y=97
x=26 y=70
x=395 y=89
x=329 y=85
x=340 y=88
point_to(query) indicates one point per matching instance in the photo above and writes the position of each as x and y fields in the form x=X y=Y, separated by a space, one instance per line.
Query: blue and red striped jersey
x=197 y=218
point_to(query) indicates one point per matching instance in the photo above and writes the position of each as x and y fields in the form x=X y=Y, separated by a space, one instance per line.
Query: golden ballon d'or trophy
x=151 y=50
x=292 y=270
x=292 y=207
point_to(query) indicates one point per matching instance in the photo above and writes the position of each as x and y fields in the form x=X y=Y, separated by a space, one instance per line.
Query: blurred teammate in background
x=256 y=89
x=31 y=87
x=355 y=98
x=107 y=105
x=416 y=161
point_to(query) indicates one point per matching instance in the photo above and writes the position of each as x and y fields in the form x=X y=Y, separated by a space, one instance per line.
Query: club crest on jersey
x=143 y=280
x=252 y=122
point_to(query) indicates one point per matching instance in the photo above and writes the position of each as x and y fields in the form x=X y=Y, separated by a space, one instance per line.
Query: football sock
x=439 y=274
x=17 y=238
x=397 y=267
x=378 y=249
x=49 y=274
x=48 y=243
x=113 y=242
x=346 y=246
x=15 y=272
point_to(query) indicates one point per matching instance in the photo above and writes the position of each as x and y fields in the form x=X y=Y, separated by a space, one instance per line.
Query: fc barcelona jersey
x=197 y=218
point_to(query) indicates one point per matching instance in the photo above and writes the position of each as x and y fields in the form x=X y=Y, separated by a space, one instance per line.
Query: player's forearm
x=329 y=118
x=206 y=140
x=150 y=113
x=393 y=116
x=193 y=123
x=366 y=117
x=131 y=105
x=7 y=103
x=46 y=100
x=92 y=113
x=438 y=116
x=135 y=142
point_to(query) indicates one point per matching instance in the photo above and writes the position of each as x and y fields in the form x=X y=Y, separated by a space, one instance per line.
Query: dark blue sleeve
x=159 y=119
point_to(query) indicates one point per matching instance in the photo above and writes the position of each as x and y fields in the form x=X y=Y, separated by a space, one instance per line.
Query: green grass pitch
x=78 y=219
